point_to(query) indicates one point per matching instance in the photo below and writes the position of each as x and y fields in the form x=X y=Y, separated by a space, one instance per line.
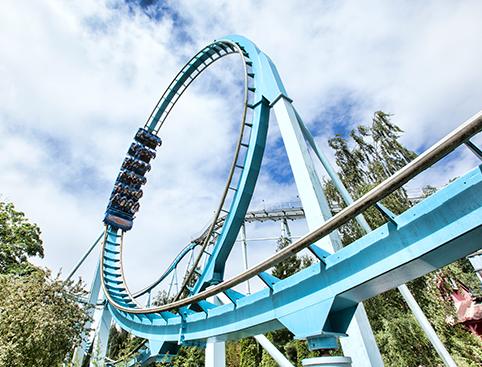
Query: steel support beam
x=215 y=355
x=476 y=261
x=82 y=350
x=403 y=289
x=244 y=244
x=269 y=347
x=360 y=345
x=307 y=181
x=81 y=261
x=101 y=339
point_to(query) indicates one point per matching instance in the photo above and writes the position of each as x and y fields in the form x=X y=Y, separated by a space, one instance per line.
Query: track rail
x=171 y=321
x=241 y=178
x=290 y=213
x=449 y=143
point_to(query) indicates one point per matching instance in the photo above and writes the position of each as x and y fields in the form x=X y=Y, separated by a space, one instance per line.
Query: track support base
x=327 y=362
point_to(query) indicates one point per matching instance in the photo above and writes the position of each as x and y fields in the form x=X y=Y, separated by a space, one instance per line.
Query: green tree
x=250 y=355
x=233 y=351
x=118 y=343
x=40 y=320
x=189 y=357
x=374 y=154
x=289 y=266
x=19 y=239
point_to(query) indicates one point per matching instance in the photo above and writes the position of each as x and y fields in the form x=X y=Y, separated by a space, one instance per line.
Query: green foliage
x=123 y=346
x=189 y=357
x=267 y=360
x=462 y=271
x=19 y=239
x=376 y=154
x=233 y=351
x=40 y=321
x=289 y=266
x=250 y=353
x=118 y=343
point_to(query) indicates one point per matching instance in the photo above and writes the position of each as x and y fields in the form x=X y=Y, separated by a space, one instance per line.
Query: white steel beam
x=360 y=345
x=81 y=351
x=403 y=289
x=215 y=355
x=101 y=339
x=269 y=347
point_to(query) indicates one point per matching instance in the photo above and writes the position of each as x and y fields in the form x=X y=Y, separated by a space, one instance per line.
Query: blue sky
x=78 y=78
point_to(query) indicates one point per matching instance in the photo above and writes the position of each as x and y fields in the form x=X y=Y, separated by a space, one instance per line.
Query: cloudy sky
x=78 y=78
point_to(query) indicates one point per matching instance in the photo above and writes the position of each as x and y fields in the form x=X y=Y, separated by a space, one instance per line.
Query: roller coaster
x=319 y=304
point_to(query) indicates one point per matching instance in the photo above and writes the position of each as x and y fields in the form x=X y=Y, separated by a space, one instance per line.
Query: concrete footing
x=327 y=362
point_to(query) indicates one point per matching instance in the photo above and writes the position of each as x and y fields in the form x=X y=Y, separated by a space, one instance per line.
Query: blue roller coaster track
x=317 y=303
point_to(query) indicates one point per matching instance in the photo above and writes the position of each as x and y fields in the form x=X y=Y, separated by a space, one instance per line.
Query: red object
x=469 y=309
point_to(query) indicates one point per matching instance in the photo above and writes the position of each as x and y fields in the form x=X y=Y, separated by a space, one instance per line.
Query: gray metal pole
x=474 y=148
x=278 y=357
x=244 y=243
x=403 y=289
x=76 y=267
x=285 y=230
x=425 y=324
x=261 y=339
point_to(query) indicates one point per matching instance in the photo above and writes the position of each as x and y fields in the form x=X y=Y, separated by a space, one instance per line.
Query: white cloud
x=79 y=78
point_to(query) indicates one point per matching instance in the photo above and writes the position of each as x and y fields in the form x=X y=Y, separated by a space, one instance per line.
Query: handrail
x=439 y=150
